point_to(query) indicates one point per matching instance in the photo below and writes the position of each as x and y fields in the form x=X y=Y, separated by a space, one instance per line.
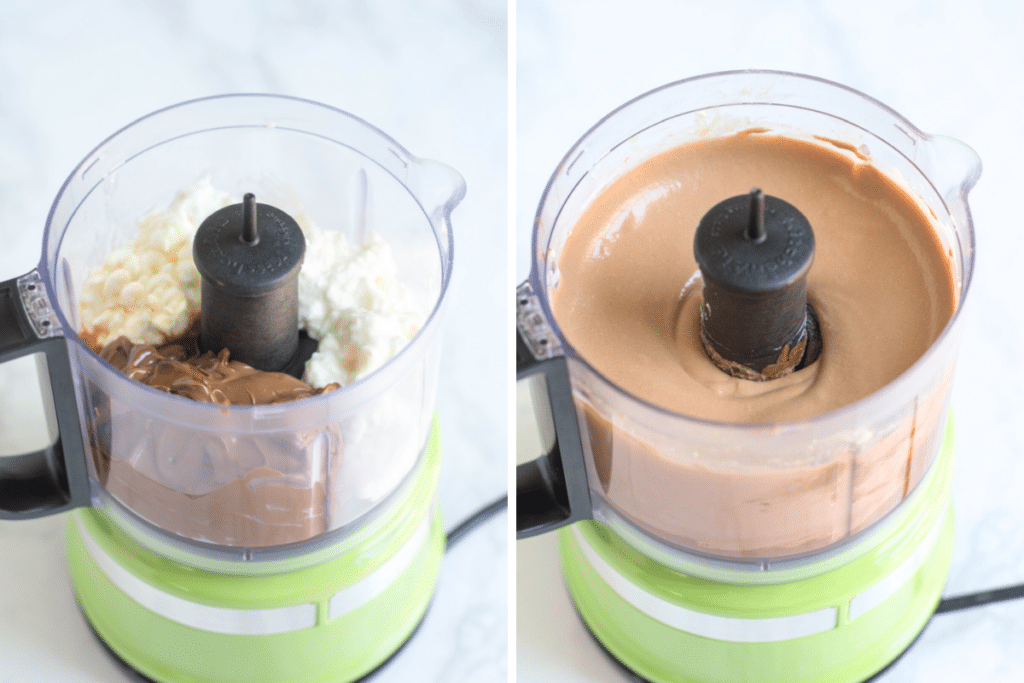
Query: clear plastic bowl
x=760 y=492
x=245 y=477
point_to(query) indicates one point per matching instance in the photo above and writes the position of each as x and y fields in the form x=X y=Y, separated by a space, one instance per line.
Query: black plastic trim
x=54 y=479
x=552 y=490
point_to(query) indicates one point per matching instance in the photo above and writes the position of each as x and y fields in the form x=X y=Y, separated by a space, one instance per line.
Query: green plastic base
x=851 y=651
x=335 y=650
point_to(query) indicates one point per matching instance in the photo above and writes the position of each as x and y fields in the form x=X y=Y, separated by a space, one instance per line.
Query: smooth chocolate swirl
x=178 y=368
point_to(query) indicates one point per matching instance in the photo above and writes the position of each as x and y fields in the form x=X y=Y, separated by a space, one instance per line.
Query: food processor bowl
x=199 y=480
x=299 y=540
x=759 y=494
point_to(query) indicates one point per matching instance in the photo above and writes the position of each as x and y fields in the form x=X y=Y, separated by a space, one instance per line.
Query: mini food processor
x=802 y=550
x=293 y=541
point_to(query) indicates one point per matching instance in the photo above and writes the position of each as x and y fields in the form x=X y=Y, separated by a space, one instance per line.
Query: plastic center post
x=249 y=256
x=754 y=252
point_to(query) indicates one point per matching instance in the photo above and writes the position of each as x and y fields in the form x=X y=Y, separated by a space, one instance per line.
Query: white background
x=951 y=68
x=430 y=74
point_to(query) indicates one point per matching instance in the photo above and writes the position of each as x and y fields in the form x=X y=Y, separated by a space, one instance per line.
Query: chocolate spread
x=628 y=300
x=179 y=368
x=235 y=489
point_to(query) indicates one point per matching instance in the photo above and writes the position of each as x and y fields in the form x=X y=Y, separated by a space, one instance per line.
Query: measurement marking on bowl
x=905 y=132
x=399 y=156
x=568 y=169
x=89 y=167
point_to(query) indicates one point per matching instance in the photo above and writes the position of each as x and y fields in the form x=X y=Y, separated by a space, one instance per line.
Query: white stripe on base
x=767 y=630
x=253 y=622
x=875 y=595
x=733 y=629
x=364 y=590
x=240 y=622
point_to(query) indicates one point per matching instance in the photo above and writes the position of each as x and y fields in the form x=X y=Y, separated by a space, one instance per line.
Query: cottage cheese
x=148 y=290
x=350 y=298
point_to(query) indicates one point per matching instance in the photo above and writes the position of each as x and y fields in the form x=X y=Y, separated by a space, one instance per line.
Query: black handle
x=55 y=478
x=552 y=490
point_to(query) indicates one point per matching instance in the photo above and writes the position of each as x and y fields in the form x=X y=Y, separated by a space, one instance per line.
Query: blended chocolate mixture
x=628 y=300
x=238 y=489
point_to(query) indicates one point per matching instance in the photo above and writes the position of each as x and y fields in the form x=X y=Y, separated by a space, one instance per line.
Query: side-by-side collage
x=494 y=341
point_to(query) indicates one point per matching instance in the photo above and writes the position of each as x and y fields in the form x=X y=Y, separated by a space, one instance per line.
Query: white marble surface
x=952 y=68
x=430 y=74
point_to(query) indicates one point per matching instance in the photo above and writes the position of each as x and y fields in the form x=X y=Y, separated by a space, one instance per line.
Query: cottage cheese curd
x=350 y=298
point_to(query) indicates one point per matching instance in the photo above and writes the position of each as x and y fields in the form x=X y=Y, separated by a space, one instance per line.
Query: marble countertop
x=951 y=68
x=431 y=75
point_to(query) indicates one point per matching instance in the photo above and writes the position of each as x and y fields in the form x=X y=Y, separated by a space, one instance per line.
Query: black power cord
x=980 y=598
x=475 y=520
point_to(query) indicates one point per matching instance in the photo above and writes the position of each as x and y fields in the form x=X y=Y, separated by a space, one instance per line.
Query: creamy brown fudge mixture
x=629 y=303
